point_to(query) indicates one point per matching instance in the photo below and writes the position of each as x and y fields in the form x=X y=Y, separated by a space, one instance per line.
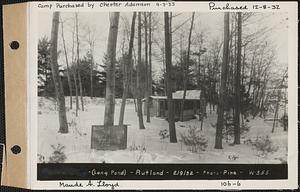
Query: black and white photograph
x=153 y=95
x=162 y=87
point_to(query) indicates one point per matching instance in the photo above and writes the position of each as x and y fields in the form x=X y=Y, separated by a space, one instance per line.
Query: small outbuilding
x=159 y=105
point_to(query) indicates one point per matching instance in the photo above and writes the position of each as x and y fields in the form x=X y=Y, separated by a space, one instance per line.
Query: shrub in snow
x=282 y=160
x=140 y=157
x=58 y=156
x=233 y=157
x=163 y=134
x=264 y=145
x=229 y=128
x=140 y=150
x=245 y=128
x=41 y=103
x=284 y=122
x=194 y=140
x=41 y=158
x=248 y=141
x=282 y=157
x=72 y=123
x=134 y=147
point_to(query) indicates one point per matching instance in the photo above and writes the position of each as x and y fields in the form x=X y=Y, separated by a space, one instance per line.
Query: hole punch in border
x=16 y=149
x=14 y=45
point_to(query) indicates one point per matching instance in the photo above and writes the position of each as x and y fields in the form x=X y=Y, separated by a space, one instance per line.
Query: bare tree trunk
x=262 y=98
x=150 y=53
x=251 y=71
x=242 y=83
x=133 y=80
x=67 y=62
x=199 y=79
x=275 y=121
x=237 y=133
x=76 y=89
x=285 y=115
x=164 y=71
x=186 y=68
x=201 y=85
x=63 y=125
x=181 y=54
x=91 y=42
x=91 y=72
x=74 y=72
x=135 y=105
x=139 y=75
x=110 y=64
x=223 y=89
x=203 y=96
x=127 y=72
x=147 y=69
x=172 y=129
x=171 y=51
x=215 y=75
x=78 y=67
x=276 y=110
x=243 y=66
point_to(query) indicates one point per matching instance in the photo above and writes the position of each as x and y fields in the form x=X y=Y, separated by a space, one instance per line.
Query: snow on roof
x=190 y=94
x=158 y=97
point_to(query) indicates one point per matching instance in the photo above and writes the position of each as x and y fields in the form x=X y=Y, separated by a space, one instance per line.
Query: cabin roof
x=178 y=95
x=190 y=94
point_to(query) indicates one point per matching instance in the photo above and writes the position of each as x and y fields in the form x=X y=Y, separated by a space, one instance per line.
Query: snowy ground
x=78 y=141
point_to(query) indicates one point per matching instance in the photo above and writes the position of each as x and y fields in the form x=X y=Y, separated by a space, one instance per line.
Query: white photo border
x=290 y=183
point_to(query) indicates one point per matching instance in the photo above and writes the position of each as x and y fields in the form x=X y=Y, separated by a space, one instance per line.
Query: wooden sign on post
x=109 y=138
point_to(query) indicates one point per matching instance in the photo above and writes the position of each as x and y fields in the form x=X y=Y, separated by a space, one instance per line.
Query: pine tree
x=78 y=60
x=139 y=75
x=63 y=125
x=147 y=68
x=186 y=68
x=74 y=71
x=222 y=93
x=128 y=69
x=67 y=62
x=110 y=67
x=150 y=53
x=172 y=129
x=238 y=83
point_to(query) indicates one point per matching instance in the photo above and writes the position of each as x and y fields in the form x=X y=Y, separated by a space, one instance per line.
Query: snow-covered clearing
x=146 y=146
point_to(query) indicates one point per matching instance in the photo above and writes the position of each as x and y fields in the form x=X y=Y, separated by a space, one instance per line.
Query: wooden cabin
x=159 y=105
